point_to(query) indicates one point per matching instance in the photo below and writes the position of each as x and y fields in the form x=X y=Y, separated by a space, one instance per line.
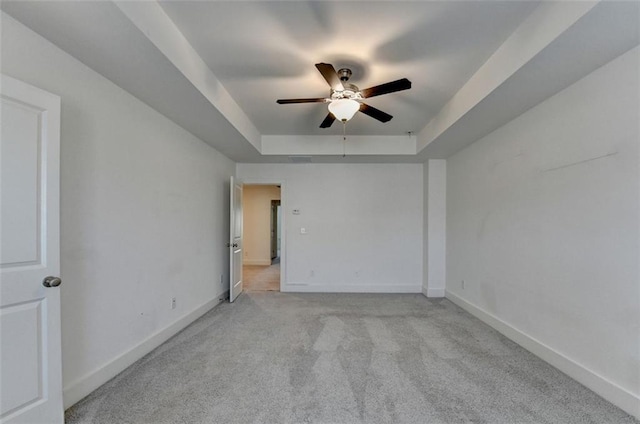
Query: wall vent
x=300 y=159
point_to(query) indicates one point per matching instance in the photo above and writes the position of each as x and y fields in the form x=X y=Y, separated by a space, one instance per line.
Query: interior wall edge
x=82 y=387
x=436 y=226
x=625 y=400
x=425 y=291
x=441 y=292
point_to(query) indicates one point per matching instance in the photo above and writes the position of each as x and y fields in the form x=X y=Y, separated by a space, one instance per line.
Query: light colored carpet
x=342 y=358
x=261 y=278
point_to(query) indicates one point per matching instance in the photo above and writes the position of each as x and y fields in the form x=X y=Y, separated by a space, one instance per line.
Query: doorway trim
x=283 y=230
x=276 y=209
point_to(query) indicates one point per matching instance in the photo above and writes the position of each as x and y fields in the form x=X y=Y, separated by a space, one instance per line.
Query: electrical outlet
x=462 y=284
x=173 y=303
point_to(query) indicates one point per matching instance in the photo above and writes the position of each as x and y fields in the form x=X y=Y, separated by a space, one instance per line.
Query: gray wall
x=144 y=215
x=363 y=222
x=543 y=226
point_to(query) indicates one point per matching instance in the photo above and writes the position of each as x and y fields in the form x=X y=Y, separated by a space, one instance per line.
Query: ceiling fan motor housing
x=350 y=91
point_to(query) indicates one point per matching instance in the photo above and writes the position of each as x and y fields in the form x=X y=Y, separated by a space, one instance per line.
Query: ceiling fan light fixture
x=344 y=109
x=344 y=98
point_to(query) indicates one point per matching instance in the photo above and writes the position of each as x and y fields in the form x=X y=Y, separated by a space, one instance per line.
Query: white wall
x=543 y=225
x=144 y=216
x=363 y=222
x=256 y=217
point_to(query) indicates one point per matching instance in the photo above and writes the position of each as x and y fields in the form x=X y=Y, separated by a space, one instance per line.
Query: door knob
x=51 y=281
x=235 y=244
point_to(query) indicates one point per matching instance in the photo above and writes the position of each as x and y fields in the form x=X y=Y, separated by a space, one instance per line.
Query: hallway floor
x=342 y=358
x=261 y=277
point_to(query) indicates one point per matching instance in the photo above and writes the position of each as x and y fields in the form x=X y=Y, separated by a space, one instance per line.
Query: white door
x=235 y=240
x=31 y=378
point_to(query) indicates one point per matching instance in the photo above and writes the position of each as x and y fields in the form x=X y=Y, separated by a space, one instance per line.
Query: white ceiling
x=217 y=67
x=262 y=51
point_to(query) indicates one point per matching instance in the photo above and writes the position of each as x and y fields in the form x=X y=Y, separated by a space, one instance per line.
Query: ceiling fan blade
x=328 y=121
x=330 y=75
x=375 y=113
x=290 y=101
x=390 y=87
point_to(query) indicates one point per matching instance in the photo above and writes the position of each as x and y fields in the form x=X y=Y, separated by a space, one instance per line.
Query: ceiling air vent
x=300 y=159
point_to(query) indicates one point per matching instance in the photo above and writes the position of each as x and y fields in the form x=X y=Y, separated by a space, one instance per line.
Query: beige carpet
x=322 y=358
x=261 y=278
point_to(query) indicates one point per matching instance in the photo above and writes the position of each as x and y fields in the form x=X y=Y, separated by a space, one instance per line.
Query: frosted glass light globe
x=344 y=109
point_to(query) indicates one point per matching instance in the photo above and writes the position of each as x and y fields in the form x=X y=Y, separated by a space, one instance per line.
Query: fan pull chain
x=344 y=138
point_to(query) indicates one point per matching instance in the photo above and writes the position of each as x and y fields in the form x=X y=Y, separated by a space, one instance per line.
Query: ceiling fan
x=345 y=98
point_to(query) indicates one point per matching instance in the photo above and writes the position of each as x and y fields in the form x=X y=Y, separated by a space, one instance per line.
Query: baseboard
x=223 y=296
x=82 y=387
x=433 y=292
x=350 y=288
x=615 y=394
x=256 y=262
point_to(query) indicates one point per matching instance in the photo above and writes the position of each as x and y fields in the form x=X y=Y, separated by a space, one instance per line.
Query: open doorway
x=262 y=219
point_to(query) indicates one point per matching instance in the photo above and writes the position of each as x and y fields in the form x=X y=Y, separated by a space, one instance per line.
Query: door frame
x=283 y=231
x=275 y=228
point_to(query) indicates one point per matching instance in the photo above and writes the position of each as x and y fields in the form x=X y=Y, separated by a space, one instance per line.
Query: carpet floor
x=274 y=357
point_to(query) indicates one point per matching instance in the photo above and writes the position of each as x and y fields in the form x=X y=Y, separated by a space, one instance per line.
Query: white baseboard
x=256 y=262
x=79 y=389
x=609 y=390
x=433 y=292
x=350 y=288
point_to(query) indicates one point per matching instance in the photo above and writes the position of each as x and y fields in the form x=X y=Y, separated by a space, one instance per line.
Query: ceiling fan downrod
x=344 y=74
